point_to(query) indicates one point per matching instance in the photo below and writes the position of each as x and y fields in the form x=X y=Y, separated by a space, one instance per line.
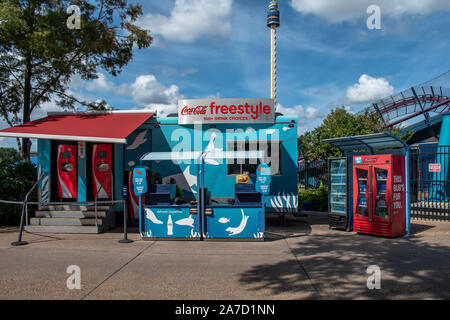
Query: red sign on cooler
x=434 y=167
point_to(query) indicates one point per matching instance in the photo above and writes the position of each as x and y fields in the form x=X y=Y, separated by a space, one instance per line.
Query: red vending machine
x=67 y=171
x=379 y=195
x=102 y=166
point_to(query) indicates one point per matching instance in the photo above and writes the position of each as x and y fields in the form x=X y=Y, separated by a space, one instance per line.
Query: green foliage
x=340 y=123
x=318 y=198
x=39 y=53
x=17 y=178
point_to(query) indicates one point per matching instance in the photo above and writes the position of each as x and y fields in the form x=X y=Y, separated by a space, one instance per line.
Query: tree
x=17 y=178
x=42 y=47
x=341 y=123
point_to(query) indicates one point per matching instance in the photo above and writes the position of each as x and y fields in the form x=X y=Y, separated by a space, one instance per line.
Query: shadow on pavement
x=335 y=263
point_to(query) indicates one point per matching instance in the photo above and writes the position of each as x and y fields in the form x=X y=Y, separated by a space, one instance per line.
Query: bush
x=318 y=198
x=17 y=178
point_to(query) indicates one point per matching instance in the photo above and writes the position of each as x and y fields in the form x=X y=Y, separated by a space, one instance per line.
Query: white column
x=273 y=63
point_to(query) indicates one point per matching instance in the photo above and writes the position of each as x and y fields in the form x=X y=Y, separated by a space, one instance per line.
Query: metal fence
x=312 y=173
x=430 y=182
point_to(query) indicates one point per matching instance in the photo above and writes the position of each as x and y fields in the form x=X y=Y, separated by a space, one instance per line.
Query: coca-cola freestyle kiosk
x=104 y=148
x=197 y=190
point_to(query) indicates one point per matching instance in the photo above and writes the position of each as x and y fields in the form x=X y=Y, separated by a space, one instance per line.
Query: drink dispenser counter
x=242 y=218
x=205 y=217
x=165 y=219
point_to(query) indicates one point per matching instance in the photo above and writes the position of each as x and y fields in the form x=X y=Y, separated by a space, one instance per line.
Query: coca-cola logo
x=199 y=110
x=226 y=111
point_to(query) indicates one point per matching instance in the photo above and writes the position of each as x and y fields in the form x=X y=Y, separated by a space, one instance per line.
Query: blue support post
x=200 y=216
x=202 y=197
x=408 y=201
x=82 y=176
x=140 y=215
x=140 y=209
x=119 y=156
x=263 y=219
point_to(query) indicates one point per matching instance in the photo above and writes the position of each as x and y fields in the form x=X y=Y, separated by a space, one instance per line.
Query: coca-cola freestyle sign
x=226 y=111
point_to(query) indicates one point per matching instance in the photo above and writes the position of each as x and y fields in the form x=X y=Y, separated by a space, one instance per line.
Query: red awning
x=109 y=127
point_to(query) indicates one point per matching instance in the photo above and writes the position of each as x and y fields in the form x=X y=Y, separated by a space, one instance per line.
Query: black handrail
x=19 y=242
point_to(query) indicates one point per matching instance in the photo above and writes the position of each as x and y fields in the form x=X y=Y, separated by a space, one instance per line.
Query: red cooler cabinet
x=379 y=195
x=67 y=171
x=102 y=166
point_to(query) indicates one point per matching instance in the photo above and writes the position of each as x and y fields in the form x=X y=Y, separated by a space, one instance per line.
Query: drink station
x=202 y=167
x=165 y=215
x=369 y=187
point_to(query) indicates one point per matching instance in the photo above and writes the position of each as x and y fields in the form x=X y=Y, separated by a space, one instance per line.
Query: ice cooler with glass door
x=339 y=193
x=379 y=195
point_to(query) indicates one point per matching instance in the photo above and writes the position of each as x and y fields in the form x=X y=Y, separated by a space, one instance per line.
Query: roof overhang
x=196 y=155
x=378 y=143
x=105 y=127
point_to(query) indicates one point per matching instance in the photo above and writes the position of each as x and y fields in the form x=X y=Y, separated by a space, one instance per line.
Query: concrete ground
x=303 y=260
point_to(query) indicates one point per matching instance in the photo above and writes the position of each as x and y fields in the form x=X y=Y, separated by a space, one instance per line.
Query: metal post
x=306 y=174
x=20 y=242
x=140 y=214
x=408 y=196
x=200 y=216
x=22 y=216
x=125 y=226
x=264 y=214
x=202 y=195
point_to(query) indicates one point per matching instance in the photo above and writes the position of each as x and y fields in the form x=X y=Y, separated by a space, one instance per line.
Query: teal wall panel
x=118 y=174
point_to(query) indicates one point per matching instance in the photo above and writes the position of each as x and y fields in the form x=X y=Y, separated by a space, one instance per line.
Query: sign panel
x=434 y=167
x=140 y=181
x=124 y=192
x=263 y=179
x=226 y=111
x=81 y=150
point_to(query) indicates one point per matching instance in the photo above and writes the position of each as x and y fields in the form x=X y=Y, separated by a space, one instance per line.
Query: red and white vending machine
x=379 y=195
x=102 y=166
x=67 y=171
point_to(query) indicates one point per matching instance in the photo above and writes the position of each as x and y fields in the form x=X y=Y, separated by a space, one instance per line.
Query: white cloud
x=100 y=84
x=300 y=111
x=346 y=10
x=368 y=89
x=149 y=93
x=191 y=19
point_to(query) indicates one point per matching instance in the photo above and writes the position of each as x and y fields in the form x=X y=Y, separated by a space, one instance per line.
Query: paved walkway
x=303 y=260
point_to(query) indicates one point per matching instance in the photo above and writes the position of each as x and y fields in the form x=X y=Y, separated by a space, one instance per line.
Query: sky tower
x=273 y=22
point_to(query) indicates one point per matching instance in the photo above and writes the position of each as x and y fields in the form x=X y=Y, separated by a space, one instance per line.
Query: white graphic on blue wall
x=45 y=186
x=211 y=148
x=284 y=202
x=188 y=181
x=189 y=222
x=151 y=216
x=224 y=220
x=234 y=231
x=185 y=180
x=138 y=141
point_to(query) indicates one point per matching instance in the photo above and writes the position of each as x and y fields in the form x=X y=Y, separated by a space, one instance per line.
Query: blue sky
x=327 y=57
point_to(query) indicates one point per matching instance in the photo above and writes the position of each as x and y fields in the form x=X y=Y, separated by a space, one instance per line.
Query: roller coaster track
x=426 y=101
